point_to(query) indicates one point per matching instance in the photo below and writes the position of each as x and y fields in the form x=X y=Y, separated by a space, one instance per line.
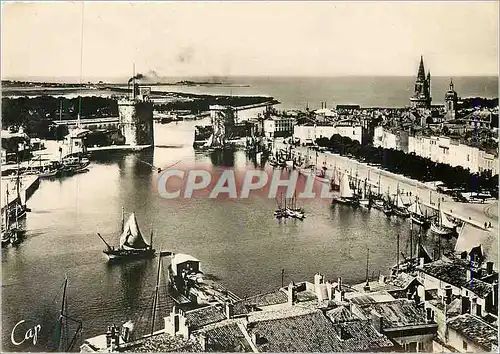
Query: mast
x=151 y=238
x=411 y=239
x=397 y=256
x=378 y=191
x=156 y=294
x=123 y=219
x=367 y=260
x=61 y=315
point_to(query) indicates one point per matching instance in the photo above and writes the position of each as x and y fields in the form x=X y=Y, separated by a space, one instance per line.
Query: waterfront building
x=448 y=151
x=74 y=143
x=136 y=117
x=422 y=93
x=391 y=138
x=278 y=126
x=308 y=133
x=450 y=99
x=470 y=334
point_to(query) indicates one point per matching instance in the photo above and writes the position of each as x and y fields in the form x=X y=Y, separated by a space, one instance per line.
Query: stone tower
x=422 y=94
x=450 y=99
x=136 y=118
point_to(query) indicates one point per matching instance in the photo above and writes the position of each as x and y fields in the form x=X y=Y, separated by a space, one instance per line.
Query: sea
x=239 y=243
x=315 y=92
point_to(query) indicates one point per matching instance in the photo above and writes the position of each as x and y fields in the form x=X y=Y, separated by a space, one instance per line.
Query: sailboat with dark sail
x=132 y=243
x=416 y=214
x=442 y=225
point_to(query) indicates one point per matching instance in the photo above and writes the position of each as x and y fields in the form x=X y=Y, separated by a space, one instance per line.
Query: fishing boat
x=132 y=244
x=364 y=199
x=346 y=194
x=399 y=207
x=387 y=209
x=74 y=165
x=416 y=214
x=442 y=225
x=321 y=176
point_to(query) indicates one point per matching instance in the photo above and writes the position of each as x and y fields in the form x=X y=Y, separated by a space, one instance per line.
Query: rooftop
x=476 y=330
x=340 y=314
x=396 y=314
x=454 y=272
x=471 y=236
x=226 y=337
x=162 y=343
x=273 y=298
x=205 y=315
x=313 y=332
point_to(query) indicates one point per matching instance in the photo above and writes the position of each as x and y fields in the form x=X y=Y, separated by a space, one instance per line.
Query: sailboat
x=64 y=342
x=442 y=226
x=416 y=214
x=364 y=201
x=399 y=207
x=293 y=211
x=132 y=244
x=346 y=193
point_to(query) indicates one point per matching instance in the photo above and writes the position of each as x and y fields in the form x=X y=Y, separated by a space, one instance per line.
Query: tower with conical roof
x=422 y=95
x=450 y=99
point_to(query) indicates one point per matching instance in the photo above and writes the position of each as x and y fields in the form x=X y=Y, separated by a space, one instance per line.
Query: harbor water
x=239 y=242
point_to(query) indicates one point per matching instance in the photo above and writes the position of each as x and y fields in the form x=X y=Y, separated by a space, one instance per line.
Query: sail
x=415 y=208
x=446 y=222
x=131 y=237
x=209 y=141
x=345 y=189
x=399 y=201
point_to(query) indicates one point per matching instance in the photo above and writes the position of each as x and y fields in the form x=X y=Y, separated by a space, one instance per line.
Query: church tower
x=422 y=94
x=450 y=99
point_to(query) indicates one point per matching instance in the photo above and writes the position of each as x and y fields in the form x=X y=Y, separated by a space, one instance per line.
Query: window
x=464 y=345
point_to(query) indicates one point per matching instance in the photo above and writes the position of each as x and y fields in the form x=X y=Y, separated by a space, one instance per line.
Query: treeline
x=411 y=165
x=201 y=103
x=473 y=102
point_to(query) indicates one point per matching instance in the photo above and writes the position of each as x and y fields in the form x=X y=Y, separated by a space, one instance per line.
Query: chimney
x=291 y=293
x=469 y=274
x=421 y=261
x=203 y=342
x=377 y=321
x=408 y=294
x=417 y=299
x=329 y=290
x=489 y=268
x=429 y=314
x=339 y=281
x=229 y=310
x=448 y=294
x=255 y=338
x=463 y=255
x=465 y=305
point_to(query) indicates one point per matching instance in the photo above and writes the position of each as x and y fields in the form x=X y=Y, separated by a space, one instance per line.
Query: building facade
x=309 y=133
x=388 y=139
x=422 y=93
x=447 y=151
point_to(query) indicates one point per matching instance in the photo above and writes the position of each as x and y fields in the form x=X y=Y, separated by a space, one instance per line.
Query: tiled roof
x=162 y=343
x=454 y=272
x=368 y=298
x=475 y=329
x=273 y=298
x=396 y=314
x=226 y=338
x=403 y=280
x=239 y=308
x=340 y=314
x=315 y=333
x=205 y=315
x=471 y=236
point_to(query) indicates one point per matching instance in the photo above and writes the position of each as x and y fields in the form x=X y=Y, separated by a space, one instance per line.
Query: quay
x=471 y=213
x=27 y=186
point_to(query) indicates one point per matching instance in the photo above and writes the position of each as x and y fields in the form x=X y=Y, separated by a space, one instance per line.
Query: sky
x=44 y=39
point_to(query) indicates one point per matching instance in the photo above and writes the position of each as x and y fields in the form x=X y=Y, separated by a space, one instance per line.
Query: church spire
x=451 y=85
x=421 y=70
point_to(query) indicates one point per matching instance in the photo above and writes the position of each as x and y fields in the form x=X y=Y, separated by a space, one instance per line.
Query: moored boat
x=132 y=244
x=442 y=225
x=346 y=194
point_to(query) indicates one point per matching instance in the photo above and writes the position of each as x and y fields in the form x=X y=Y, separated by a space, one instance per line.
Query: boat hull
x=419 y=220
x=401 y=212
x=121 y=254
x=440 y=230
